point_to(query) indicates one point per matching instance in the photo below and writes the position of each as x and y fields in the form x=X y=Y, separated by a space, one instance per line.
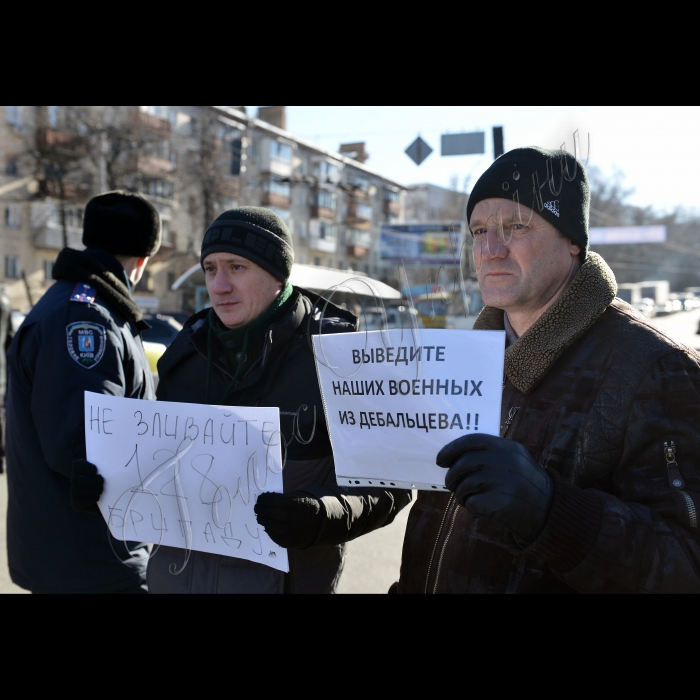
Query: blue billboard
x=420 y=244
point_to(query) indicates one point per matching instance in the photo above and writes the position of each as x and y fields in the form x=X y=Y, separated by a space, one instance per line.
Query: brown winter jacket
x=610 y=406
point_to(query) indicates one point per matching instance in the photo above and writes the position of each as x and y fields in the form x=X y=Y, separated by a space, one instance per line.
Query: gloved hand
x=86 y=486
x=496 y=478
x=292 y=520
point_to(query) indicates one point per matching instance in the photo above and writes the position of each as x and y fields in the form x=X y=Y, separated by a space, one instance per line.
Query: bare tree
x=208 y=168
x=56 y=151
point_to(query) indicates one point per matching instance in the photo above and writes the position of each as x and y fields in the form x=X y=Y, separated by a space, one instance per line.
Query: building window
x=157 y=188
x=326 y=171
x=11 y=167
x=283 y=189
x=302 y=229
x=145 y=283
x=283 y=214
x=53 y=116
x=281 y=151
x=301 y=198
x=166 y=235
x=74 y=218
x=364 y=211
x=48 y=270
x=356 y=180
x=13 y=116
x=162 y=112
x=324 y=199
x=13 y=216
x=12 y=267
x=317 y=261
x=325 y=231
x=355 y=237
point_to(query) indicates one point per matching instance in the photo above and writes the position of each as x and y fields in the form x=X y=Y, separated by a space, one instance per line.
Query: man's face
x=239 y=289
x=521 y=260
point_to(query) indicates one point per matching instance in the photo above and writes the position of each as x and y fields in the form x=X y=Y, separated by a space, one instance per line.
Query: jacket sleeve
x=58 y=382
x=639 y=535
x=351 y=513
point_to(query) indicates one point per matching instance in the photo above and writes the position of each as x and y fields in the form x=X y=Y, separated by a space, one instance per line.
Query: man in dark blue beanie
x=593 y=484
x=84 y=335
x=551 y=183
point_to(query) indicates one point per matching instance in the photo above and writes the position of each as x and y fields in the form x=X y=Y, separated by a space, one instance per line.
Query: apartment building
x=191 y=163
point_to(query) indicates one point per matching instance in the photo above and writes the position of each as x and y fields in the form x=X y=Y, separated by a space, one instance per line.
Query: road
x=373 y=561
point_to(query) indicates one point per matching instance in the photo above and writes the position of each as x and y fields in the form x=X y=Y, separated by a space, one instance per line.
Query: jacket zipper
x=451 y=513
x=432 y=556
x=676 y=481
x=444 y=546
x=511 y=415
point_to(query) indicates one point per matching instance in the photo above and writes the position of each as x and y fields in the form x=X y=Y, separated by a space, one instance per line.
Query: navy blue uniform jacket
x=64 y=347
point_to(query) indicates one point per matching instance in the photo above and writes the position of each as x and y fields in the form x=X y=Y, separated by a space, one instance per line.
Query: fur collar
x=101 y=271
x=529 y=360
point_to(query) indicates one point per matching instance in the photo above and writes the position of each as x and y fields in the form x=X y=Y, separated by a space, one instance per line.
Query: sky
x=657 y=149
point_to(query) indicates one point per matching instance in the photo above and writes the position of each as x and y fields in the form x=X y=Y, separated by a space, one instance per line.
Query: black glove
x=86 y=486
x=496 y=478
x=292 y=520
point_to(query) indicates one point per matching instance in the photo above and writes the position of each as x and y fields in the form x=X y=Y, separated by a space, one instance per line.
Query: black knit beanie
x=255 y=233
x=122 y=223
x=552 y=183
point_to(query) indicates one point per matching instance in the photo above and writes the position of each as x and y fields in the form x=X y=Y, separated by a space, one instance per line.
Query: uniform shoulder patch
x=86 y=343
x=84 y=293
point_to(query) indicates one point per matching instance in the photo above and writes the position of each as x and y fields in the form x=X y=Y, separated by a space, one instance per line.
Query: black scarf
x=103 y=272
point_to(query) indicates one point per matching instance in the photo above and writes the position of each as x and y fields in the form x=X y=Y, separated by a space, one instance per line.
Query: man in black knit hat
x=253 y=348
x=84 y=335
x=593 y=484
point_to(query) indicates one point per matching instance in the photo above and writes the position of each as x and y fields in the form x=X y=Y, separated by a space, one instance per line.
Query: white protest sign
x=394 y=398
x=186 y=475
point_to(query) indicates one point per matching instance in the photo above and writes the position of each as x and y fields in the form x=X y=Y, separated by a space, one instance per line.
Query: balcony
x=72 y=191
x=229 y=188
x=60 y=141
x=275 y=199
x=317 y=212
x=150 y=165
x=151 y=123
x=359 y=215
x=356 y=251
x=358 y=243
x=50 y=236
x=324 y=245
x=392 y=208
x=276 y=158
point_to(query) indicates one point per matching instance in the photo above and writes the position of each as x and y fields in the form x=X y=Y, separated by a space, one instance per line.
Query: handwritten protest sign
x=186 y=475
x=394 y=398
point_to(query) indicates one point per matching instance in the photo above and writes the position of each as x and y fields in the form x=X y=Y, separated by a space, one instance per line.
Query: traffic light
x=498 y=142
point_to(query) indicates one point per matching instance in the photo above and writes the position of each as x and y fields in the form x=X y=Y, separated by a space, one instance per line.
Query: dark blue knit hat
x=552 y=183
x=255 y=233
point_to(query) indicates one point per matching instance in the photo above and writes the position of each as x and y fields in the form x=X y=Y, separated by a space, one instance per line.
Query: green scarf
x=243 y=346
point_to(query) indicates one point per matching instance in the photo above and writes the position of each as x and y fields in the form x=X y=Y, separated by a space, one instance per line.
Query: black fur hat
x=254 y=233
x=122 y=223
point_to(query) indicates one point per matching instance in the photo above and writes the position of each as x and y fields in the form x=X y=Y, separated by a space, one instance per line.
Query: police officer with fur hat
x=84 y=335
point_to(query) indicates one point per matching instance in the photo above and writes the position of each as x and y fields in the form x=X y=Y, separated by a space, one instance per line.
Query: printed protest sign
x=186 y=475
x=394 y=398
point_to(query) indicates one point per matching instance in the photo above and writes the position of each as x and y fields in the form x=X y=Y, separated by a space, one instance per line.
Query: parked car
x=672 y=306
x=647 y=307
x=372 y=319
x=163 y=330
